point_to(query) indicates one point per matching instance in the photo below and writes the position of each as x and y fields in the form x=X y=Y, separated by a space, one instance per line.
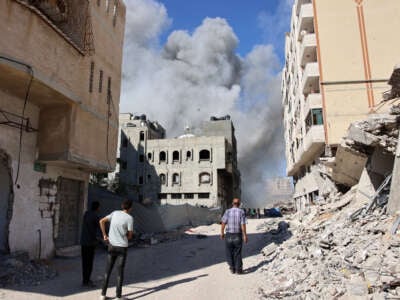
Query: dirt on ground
x=190 y=268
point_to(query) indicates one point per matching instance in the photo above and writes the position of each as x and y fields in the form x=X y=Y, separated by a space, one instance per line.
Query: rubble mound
x=334 y=256
x=16 y=270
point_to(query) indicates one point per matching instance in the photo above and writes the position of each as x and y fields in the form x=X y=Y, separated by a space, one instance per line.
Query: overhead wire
x=26 y=98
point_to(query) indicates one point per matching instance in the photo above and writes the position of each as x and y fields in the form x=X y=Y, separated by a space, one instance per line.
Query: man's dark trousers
x=115 y=254
x=233 y=246
x=87 y=262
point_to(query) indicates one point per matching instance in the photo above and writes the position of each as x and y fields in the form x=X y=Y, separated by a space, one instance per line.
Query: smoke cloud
x=198 y=74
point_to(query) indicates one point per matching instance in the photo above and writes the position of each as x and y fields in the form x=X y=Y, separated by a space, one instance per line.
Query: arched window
x=176 y=178
x=149 y=156
x=204 y=154
x=163 y=156
x=163 y=179
x=204 y=178
x=188 y=155
x=175 y=156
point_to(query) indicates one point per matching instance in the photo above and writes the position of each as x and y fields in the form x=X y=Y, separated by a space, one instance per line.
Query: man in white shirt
x=121 y=230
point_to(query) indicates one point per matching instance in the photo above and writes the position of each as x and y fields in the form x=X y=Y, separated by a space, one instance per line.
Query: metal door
x=70 y=197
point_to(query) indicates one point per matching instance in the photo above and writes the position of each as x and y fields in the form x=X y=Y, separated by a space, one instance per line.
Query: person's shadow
x=147 y=291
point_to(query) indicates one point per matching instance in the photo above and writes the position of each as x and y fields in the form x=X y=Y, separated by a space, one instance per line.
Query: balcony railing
x=312 y=101
x=306 y=20
x=308 y=51
x=311 y=78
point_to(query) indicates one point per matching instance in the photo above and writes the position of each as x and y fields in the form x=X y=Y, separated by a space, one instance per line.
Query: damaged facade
x=196 y=169
x=60 y=75
x=335 y=74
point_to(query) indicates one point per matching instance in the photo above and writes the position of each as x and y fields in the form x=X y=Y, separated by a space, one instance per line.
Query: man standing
x=121 y=230
x=234 y=221
x=90 y=231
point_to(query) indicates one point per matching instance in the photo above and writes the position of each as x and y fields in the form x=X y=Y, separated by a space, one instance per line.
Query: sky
x=185 y=61
x=254 y=21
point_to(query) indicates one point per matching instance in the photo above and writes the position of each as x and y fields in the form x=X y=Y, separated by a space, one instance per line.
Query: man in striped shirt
x=234 y=221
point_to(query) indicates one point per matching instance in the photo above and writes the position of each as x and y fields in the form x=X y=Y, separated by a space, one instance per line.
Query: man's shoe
x=239 y=272
x=89 y=284
x=232 y=270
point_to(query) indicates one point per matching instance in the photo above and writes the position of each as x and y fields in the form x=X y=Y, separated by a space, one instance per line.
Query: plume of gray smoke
x=196 y=75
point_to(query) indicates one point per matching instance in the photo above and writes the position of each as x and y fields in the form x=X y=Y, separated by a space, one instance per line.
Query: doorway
x=70 y=197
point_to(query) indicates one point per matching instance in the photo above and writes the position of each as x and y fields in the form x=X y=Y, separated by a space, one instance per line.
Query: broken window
x=101 y=81
x=109 y=85
x=91 y=77
x=176 y=196
x=204 y=178
x=163 y=156
x=204 y=195
x=162 y=196
x=314 y=117
x=163 y=179
x=175 y=156
x=176 y=178
x=188 y=155
x=204 y=154
x=115 y=12
x=142 y=135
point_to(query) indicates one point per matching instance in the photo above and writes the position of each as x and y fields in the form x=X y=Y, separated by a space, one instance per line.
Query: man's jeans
x=87 y=262
x=233 y=243
x=115 y=254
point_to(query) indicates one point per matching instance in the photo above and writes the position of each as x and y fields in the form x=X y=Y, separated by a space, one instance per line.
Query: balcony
x=311 y=146
x=299 y=4
x=306 y=20
x=308 y=51
x=312 y=101
x=15 y=76
x=311 y=78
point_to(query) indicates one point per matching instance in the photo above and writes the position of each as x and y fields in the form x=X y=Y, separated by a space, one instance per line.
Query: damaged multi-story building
x=191 y=169
x=60 y=76
x=337 y=66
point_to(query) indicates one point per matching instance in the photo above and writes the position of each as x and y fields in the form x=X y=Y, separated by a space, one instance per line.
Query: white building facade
x=198 y=170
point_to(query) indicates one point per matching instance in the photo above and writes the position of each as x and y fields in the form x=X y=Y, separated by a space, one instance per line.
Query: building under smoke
x=195 y=169
x=279 y=190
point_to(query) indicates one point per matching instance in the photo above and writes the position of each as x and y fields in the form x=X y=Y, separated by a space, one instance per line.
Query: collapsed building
x=60 y=76
x=335 y=74
x=191 y=169
x=279 y=191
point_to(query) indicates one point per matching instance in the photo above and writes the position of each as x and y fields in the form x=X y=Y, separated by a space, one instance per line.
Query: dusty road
x=190 y=268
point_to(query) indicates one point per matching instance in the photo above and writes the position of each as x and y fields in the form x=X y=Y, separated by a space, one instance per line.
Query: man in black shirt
x=90 y=232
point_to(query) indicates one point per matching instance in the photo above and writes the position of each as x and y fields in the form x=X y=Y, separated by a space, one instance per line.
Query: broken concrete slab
x=348 y=166
x=361 y=136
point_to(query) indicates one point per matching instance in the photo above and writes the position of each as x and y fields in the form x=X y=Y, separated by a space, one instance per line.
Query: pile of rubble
x=379 y=130
x=17 y=270
x=334 y=256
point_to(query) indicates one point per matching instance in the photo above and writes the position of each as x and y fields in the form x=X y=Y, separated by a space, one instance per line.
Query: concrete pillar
x=394 y=197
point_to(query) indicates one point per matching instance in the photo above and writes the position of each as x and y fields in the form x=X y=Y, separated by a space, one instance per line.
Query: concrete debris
x=17 y=270
x=329 y=256
x=378 y=130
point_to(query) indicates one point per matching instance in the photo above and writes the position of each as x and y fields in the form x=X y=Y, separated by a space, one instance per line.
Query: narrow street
x=191 y=268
